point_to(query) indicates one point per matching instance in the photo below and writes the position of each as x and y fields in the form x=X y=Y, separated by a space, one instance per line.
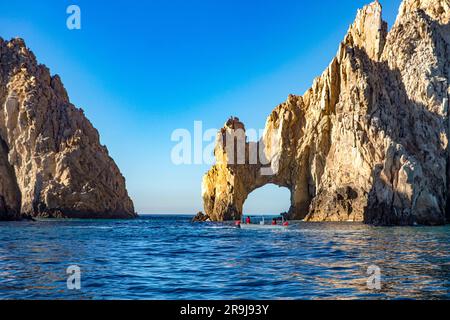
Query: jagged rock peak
x=369 y=31
x=51 y=161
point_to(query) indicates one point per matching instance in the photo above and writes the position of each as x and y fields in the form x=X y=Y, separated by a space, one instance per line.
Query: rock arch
x=227 y=185
x=368 y=142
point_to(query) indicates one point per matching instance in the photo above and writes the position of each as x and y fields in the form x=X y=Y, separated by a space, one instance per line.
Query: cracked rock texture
x=51 y=161
x=368 y=142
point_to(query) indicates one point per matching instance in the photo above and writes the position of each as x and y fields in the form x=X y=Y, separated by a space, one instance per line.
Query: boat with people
x=276 y=224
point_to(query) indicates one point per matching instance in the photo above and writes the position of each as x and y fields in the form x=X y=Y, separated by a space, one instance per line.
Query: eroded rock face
x=369 y=141
x=51 y=161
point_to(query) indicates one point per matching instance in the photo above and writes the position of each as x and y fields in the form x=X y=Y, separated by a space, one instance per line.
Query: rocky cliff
x=368 y=142
x=51 y=161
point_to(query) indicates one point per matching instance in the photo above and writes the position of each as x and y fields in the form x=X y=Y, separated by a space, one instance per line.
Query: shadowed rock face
x=51 y=161
x=369 y=141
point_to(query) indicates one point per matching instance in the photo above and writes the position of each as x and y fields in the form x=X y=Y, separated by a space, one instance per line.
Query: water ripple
x=170 y=258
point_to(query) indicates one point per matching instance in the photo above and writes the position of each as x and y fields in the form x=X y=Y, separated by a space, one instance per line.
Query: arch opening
x=269 y=199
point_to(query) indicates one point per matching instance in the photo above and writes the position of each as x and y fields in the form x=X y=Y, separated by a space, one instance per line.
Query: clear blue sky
x=141 y=69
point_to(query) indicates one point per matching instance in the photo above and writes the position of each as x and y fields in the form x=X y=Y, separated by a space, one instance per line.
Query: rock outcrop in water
x=200 y=217
x=368 y=142
x=51 y=161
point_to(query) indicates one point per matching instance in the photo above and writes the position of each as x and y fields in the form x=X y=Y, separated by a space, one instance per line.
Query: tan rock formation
x=369 y=141
x=51 y=161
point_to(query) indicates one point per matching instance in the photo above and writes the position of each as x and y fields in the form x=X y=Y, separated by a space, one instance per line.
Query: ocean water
x=167 y=257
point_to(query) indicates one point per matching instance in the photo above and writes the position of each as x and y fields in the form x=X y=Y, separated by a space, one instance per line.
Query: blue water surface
x=167 y=257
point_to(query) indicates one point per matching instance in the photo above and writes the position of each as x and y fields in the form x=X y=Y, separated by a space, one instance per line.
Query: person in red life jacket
x=274 y=222
x=248 y=221
x=285 y=224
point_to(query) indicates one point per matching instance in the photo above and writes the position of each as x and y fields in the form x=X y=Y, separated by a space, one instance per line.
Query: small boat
x=262 y=225
x=251 y=226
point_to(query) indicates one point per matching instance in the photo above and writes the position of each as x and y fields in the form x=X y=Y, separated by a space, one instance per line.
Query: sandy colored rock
x=51 y=161
x=369 y=141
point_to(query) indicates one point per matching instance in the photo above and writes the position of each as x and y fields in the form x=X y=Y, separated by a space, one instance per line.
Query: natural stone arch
x=227 y=185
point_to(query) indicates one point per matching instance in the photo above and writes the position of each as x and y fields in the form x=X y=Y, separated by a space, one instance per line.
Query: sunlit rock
x=51 y=161
x=369 y=141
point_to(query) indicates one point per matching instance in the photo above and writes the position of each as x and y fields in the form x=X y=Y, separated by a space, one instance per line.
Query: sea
x=168 y=257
